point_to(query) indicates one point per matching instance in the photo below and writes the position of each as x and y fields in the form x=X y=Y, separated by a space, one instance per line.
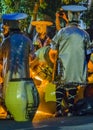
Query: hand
x=63 y=15
x=53 y=55
x=57 y=14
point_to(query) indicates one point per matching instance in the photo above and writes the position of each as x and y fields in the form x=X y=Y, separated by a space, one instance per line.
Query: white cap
x=74 y=8
x=74 y=12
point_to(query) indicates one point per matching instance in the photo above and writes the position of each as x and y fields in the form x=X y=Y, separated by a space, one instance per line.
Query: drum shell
x=43 y=55
x=43 y=70
x=19 y=97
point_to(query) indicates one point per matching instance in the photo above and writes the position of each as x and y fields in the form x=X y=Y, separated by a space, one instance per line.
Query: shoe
x=69 y=114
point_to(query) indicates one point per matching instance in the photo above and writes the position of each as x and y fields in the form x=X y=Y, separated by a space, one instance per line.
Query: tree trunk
x=90 y=4
x=33 y=18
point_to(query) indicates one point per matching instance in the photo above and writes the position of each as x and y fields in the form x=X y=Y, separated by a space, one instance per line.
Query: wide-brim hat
x=74 y=8
x=40 y=22
x=14 y=16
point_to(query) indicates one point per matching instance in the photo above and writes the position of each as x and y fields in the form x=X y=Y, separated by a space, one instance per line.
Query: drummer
x=41 y=39
x=71 y=43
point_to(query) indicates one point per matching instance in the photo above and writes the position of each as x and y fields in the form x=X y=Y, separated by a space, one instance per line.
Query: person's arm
x=31 y=28
x=57 y=22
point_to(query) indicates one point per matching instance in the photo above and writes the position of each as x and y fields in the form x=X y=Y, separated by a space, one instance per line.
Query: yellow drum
x=50 y=94
x=50 y=91
x=21 y=99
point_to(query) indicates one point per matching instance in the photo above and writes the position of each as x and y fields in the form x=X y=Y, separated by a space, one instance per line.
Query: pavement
x=47 y=122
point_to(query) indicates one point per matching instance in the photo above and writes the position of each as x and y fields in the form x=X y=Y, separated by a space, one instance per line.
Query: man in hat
x=71 y=43
x=16 y=48
x=41 y=39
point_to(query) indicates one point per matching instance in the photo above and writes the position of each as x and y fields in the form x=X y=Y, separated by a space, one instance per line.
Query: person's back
x=73 y=42
x=16 y=48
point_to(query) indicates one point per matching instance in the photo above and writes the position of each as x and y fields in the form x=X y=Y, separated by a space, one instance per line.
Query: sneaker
x=69 y=114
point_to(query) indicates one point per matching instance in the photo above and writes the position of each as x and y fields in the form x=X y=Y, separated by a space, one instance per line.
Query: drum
x=50 y=91
x=21 y=99
x=45 y=106
x=3 y=112
x=42 y=70
x=50 y=94
x=43 y=55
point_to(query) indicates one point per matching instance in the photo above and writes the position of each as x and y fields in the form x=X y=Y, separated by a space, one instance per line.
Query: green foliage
x=24 y=6
x=89 y=18
x=9 y=6
x=71 y=1
x=49 y=7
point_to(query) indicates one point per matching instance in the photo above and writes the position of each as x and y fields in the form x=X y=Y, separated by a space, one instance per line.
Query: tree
x=71 y=1
x=45 y=8
x=9 y=6
x=89 y=14
x=49 y=7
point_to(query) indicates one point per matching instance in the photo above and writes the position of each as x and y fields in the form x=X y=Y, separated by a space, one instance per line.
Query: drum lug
x=30 y=110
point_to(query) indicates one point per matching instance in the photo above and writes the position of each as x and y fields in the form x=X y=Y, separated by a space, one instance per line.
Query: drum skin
x=21 y=99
